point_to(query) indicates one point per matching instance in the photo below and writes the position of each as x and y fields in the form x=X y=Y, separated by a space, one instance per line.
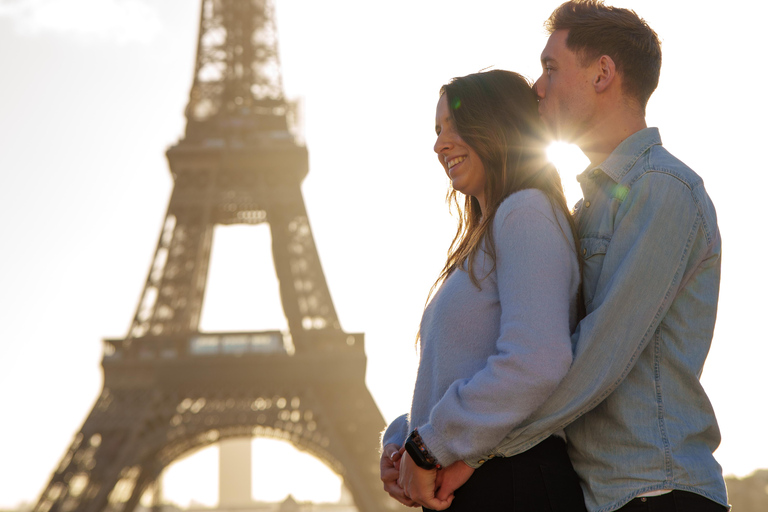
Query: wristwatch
x=419 y=452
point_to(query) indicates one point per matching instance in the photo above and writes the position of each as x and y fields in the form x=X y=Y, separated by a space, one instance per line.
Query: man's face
x=565 y=91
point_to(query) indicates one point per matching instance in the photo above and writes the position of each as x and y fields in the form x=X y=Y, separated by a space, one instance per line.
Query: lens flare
x=620 y=192
x=569 y=161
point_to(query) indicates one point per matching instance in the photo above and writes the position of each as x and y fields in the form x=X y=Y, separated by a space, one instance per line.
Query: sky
x=92 y=93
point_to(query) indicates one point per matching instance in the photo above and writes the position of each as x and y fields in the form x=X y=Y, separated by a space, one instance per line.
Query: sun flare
x=569 y=161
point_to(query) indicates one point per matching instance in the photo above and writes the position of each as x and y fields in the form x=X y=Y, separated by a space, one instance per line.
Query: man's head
x=595 y=29
x=595 y=48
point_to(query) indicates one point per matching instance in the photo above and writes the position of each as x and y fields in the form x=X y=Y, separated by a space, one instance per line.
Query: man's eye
x=548 y=69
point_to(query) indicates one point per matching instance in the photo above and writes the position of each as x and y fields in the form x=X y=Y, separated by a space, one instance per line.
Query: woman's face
x=461 y=163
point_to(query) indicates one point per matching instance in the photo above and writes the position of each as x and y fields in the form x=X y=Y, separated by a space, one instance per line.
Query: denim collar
x=621 y=160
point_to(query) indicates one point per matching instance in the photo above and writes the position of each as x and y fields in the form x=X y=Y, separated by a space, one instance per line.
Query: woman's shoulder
x=535 y=209
x=528 y=199
x=531 y=214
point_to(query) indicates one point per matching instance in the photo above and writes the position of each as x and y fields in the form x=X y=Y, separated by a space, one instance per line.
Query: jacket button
x=584 y=252
x=586 y=204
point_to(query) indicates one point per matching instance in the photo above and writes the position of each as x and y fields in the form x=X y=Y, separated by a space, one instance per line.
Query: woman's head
x=462 y=164
x=492 y=120
x=491 y=143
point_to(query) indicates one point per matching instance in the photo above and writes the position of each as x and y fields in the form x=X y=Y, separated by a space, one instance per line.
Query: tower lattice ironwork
x=170 y=389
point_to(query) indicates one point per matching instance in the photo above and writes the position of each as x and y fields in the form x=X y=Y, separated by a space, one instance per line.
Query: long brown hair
x=496 y=114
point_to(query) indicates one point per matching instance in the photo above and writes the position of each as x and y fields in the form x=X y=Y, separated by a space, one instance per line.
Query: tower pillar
x=235 y=473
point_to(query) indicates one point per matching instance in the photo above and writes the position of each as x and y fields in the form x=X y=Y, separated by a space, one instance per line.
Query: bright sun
x=570 y=161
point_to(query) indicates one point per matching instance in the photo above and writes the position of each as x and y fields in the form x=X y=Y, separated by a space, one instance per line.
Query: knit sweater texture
x=490 y=357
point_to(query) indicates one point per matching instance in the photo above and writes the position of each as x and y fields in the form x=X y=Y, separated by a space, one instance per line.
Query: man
x=640 y=428
x=645 y=431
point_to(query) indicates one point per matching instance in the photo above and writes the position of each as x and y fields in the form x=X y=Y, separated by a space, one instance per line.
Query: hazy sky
x=93 y=93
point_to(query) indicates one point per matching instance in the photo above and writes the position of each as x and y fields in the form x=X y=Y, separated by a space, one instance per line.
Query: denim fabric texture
x=637 y=417
x=675 y=501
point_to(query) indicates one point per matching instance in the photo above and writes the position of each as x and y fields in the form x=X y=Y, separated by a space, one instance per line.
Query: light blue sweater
x=490 y=357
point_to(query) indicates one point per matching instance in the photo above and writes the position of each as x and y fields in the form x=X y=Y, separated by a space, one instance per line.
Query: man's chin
x=553 y=130
x=561 y=134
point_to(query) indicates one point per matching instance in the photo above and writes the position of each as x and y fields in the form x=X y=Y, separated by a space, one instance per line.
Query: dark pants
x=675 y=501
x=541 y=479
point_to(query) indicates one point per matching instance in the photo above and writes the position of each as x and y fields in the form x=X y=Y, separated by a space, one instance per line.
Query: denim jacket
x=637 y=417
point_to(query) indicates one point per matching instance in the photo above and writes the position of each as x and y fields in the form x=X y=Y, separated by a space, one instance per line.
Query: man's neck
x=600 y=142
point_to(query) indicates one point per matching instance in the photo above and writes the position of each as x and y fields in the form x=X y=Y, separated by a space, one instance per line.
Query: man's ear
x=605 y=73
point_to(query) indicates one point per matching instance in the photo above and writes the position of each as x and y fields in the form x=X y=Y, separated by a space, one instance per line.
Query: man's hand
x=451 y=478
x=389 y=464
x=419 y=484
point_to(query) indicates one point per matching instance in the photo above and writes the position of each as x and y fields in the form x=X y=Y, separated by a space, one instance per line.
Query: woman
x=495 y=336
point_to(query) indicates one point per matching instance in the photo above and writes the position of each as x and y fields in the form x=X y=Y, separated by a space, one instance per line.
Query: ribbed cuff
x=436 y=445
x=439 y=448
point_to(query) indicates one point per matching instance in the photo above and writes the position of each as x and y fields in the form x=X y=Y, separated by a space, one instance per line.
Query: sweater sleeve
x=537 y=278
x=396 y=432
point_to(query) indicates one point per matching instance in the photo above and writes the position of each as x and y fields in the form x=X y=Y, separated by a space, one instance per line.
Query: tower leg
x=157 y=494
x=235 y=473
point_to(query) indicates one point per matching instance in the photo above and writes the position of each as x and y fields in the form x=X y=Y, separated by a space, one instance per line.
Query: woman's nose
x=442 y=143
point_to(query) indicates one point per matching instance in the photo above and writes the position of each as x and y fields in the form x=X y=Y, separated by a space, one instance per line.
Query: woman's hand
x=420 y=484
x=389 y=464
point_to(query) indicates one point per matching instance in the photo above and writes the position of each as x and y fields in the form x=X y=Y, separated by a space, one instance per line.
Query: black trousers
x=675 y=501
x=541 y=479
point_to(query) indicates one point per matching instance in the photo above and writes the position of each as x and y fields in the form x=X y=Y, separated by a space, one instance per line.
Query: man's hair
x=595 y=29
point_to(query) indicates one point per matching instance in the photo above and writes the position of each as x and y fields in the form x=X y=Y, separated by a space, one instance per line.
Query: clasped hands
x=413 y=486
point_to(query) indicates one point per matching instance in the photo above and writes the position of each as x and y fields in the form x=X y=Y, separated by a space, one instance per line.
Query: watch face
x=417 y=455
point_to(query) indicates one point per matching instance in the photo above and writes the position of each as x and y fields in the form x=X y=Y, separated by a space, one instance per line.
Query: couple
x=544 y=330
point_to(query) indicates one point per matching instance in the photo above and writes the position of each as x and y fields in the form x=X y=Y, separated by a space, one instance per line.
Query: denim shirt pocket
x=593 y=251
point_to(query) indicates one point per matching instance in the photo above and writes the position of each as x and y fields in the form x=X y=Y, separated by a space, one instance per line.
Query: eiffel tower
x=170 y=389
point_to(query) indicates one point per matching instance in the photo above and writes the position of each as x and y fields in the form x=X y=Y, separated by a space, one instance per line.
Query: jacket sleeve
x=643 y=269
x=537 y=278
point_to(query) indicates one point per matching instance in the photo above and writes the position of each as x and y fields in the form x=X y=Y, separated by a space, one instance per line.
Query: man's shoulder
x=657 y=167
x=658 y=160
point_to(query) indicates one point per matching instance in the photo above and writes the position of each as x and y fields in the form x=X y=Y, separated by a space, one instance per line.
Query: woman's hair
x=496 y=114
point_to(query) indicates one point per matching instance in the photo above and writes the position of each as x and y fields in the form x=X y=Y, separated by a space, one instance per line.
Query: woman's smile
x=454 y=161
x=460 y=162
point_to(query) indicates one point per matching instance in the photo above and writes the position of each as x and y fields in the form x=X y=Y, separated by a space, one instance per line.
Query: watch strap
x=418 y=451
